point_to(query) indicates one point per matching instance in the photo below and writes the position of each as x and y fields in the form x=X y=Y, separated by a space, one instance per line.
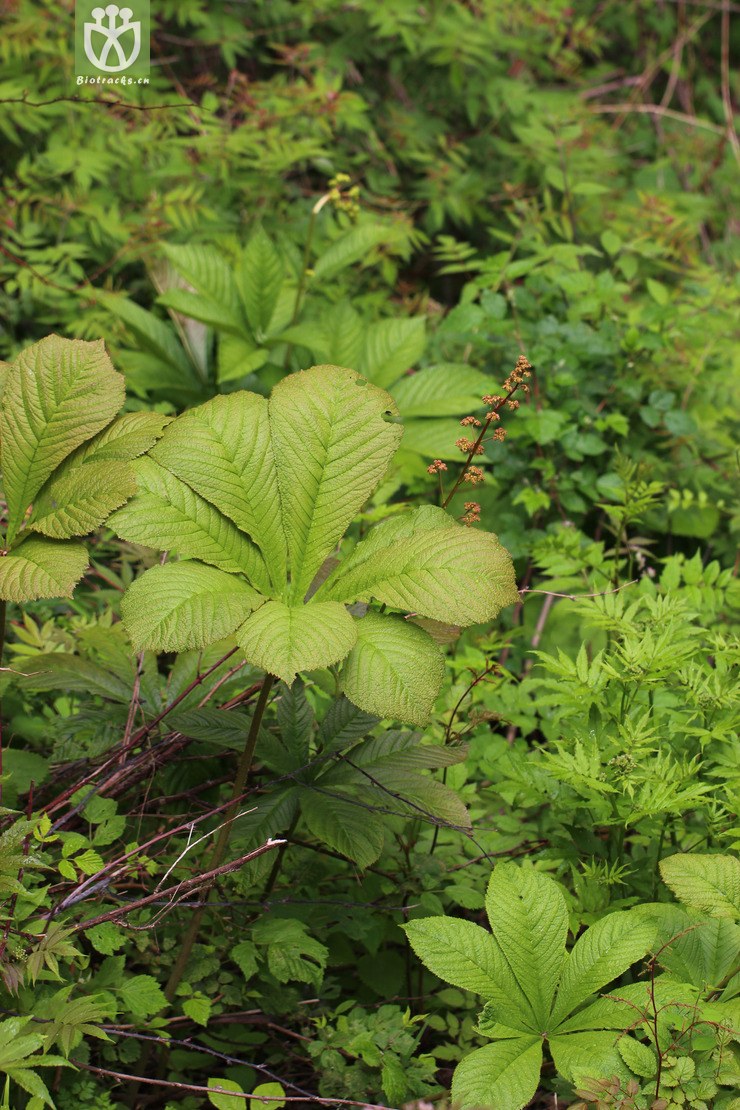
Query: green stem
x=300 y=291
x=221 y=845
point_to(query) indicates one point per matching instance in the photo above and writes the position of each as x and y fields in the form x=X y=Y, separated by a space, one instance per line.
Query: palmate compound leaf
x=332 y=447
x=58 y=394
x=39 y=568
x=531 y=954
x=185 y=605
x=264 y=491
x=425 y=562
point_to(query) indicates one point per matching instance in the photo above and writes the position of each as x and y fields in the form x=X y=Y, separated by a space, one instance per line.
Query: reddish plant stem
x=474 y=449
x=183 y=887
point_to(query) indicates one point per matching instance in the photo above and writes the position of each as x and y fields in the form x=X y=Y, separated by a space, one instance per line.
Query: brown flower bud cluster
x=474 y=475
x=471 y=514
x=469 y=446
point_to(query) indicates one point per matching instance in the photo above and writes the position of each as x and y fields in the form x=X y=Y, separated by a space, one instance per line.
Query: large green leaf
x=223 y=451
x=342 y=824
x=59 y=393
x=185 y=605
x=601 y=954
x=708 y=883
x=168 y=514
x=217 y=300
x=40 y=568
x=153 y=334
x=351 y=246
x=260 y=279
x=96 y=478
x=425 y=562
x=529 y=919
x=284 y=639
x=505 y=1074
x=579 y=1055
x=467 y=956
x=75 y=502
x=332 y=447
x=129 y=436
x=444 y=390
x=394 y=670
x=391 y=347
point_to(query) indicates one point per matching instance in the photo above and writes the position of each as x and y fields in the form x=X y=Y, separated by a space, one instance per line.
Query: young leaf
x=40 y=568
x=142 y=996
x=222 y=1101
x=284 y=639
x=394 y=670
x=332 y=447
x=58 y=394
x=184 y=605
x=502 y=1074
x=267 y=1096
x=425 y=562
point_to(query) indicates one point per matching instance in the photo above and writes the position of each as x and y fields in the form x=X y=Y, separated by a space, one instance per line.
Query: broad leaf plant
x=536 y=992
x=253 y=497
x=65 y=462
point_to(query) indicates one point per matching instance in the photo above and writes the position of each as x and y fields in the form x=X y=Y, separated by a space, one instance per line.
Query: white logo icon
x=107 y=37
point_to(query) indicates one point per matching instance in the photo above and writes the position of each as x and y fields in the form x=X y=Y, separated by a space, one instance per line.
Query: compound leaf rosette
x=65 y=461
x=253 y=497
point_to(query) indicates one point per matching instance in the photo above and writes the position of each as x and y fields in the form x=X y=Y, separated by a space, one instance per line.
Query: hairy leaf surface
x=394 y=670
x=332 y=447
x=184 y=605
